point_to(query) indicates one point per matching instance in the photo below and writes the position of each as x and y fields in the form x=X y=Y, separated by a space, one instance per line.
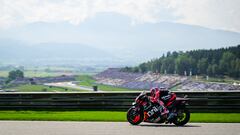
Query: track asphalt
x=114 y=128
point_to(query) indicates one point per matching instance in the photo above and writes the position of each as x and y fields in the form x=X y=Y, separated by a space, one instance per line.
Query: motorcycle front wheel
x=182 y=118
x=135 y=116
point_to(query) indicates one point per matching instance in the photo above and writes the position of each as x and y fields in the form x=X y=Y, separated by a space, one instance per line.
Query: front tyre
x=135 y=115
x=182 y=118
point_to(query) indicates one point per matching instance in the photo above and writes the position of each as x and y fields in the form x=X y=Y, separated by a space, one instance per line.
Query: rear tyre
x=135 y=116
x=182 y=117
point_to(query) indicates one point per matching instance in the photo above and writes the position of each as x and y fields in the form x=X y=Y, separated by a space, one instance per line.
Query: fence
x=198 y=101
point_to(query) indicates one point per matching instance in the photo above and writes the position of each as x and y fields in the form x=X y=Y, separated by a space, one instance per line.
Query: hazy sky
x=216 y=14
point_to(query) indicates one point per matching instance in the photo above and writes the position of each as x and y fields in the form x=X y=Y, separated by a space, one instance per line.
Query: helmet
x=153 y=91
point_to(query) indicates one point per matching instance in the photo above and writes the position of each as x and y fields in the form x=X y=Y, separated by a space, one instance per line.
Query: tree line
x=212 y=62
x=14 y=74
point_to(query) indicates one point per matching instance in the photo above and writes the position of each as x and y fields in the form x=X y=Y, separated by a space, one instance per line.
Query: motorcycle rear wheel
x=134 y=117
x=182 y=118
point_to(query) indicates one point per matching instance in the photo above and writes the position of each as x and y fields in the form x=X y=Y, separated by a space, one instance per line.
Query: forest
x=212 y=62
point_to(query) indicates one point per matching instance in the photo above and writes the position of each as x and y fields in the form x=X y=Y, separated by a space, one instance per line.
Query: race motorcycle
x=143 y=110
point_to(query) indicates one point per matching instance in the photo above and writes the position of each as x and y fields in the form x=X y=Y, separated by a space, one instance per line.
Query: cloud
x=217 y=14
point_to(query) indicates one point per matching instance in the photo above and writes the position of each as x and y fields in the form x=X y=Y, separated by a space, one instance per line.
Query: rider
x=155 y=98
x=164 y=98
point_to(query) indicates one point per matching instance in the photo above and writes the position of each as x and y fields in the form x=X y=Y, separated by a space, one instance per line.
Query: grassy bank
x=105 y=116
x=42 y=88
x=86 y=80
x=30 y=73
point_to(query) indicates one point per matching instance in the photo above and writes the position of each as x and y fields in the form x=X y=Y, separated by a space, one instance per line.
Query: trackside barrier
x=198 y=101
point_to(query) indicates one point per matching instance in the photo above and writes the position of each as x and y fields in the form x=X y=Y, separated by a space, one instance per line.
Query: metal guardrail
x=198 y=101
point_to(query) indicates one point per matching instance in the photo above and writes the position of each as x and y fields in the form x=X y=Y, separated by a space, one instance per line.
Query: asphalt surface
x=70 y=85
x=114 y=128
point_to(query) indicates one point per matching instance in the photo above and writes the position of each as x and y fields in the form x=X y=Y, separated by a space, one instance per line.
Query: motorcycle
x=143 y=110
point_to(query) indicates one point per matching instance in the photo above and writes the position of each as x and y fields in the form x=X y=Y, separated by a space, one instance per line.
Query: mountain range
x=106 y=38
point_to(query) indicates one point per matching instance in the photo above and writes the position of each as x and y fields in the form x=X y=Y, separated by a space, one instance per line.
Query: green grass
x=112 y=88
x=3 y=73
x=87 y=80
x=30 y=73
x=41 y=74
x=42 y=88
x=106 y=116
x=224 y=79
x=216 y=117
x=63 y=115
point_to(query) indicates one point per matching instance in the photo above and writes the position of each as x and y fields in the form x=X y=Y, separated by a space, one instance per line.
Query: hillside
x=52 y=53
x=216 y=62
x=119 y=36
x=116 y=77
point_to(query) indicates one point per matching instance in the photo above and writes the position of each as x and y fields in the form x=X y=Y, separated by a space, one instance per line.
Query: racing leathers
x=164 y=98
